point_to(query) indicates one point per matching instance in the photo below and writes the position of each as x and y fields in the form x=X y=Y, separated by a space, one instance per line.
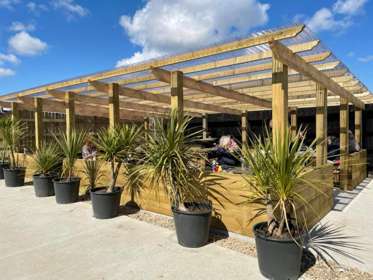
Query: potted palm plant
x=171 y=164
x=115 y=146
x=92 y=169
x=12 y=131
x=4 y=159
x=47 y=159
x=66 y=188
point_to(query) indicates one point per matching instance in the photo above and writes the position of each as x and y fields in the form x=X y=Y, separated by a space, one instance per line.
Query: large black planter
x=278 y=259
x=14 y=177
x=105 y=205
x=3 y=165
x=66 y=191
x=43 y=185
x=192 y=228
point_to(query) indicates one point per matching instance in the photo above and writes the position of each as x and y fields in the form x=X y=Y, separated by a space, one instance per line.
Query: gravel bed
x=318 y=271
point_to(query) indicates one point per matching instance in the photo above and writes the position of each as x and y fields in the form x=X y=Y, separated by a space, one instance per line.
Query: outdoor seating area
x=127 y=139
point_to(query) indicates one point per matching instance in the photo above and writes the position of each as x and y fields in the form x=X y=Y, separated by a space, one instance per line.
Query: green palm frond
x=47 y=158
x=70 y=146
x=92 y=169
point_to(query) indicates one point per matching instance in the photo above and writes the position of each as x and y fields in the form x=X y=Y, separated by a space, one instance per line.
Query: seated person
x=224 y=152
x=89 y=150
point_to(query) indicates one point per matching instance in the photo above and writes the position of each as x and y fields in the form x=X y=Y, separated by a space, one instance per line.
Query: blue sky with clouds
x=52 y=40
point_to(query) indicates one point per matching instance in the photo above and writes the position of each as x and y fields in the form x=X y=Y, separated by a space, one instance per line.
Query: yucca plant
x=12 y=131
x=47 y=159
x=70 y=146
x=115 y=145
x=92 y=169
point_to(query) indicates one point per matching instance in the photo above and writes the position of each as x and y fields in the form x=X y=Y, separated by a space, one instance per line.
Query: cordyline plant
x=70 y=146
x=277 y=169
x=47 y=159
x=115 y=146
x=170 y=162
x=12 y=131
x=92 y=169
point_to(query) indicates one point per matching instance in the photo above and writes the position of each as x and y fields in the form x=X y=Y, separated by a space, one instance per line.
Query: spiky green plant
x=70 y=146
x=47 y=158
x=277 y=167
x=171 y=163
x=92 y=169
x=12 y=131
x=115 y=145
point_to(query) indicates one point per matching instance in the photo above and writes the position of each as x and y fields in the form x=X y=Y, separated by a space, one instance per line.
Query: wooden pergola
x=280 y=70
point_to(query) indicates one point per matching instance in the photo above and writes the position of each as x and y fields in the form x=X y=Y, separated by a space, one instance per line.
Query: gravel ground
x=319 y=271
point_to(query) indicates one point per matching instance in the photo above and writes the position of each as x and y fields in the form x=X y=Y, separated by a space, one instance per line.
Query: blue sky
x=52 y=40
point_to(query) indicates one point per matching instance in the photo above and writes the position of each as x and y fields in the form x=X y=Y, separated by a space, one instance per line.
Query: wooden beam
x=158 y=98
x=165 y=76
x=297 y=63
x=38 y=120
x=205 y=126
x=321 y=125
x=358 y=126
x=279 y=99
x=69 y=112
x=244 y=128
x=227 y=47
x=293 y=121
x=344 y=143
x=114 y=117
x=177 y=96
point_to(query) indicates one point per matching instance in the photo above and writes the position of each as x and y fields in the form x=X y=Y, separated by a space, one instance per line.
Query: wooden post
x=321 y=124
x=358 y=126
x=244 y=125
x=204 y=126
x=38 y=116
x=293 y=121
x=70 y=112
x=15 y=112
x=177 y=102
x=114 y=105
x=343 y=138
x=279 y=99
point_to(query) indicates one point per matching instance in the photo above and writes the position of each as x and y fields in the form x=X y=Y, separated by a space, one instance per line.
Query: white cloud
x=324 y=19
x=349 y=7
x=36 y=8
x=17 y=26
x=5 y=72
x=164 y=27
x=337 y=18
x=24 y=44
x=11 y=58
x=71 y=8
x=351 y=54
x=366 y=59
x=9 y=4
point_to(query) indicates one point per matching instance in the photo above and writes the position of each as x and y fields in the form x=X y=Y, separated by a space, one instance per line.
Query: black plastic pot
x=43 y=185
x=66 y=191
x=278 y=259
x=192 y=228
x=105 y=205
x=14 y=177
x=3 y=165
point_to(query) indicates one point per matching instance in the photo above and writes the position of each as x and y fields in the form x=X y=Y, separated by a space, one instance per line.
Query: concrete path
x=42 y=240
x=354 y=212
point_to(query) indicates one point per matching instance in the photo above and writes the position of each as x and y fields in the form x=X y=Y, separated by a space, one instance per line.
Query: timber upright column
x=321 y=124
x=177 y=98
x=70 y=112
x=114 y=105
x=38 y=115
x=343 y=138
x=15 y=112
x=244 y=127
x=293 y=121
x=205 y=126
x=279 y=99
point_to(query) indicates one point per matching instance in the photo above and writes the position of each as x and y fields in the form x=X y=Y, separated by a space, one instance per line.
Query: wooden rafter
x=297 y=63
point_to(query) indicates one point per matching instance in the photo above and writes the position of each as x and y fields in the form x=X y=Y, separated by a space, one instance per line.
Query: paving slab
x=40 y=239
